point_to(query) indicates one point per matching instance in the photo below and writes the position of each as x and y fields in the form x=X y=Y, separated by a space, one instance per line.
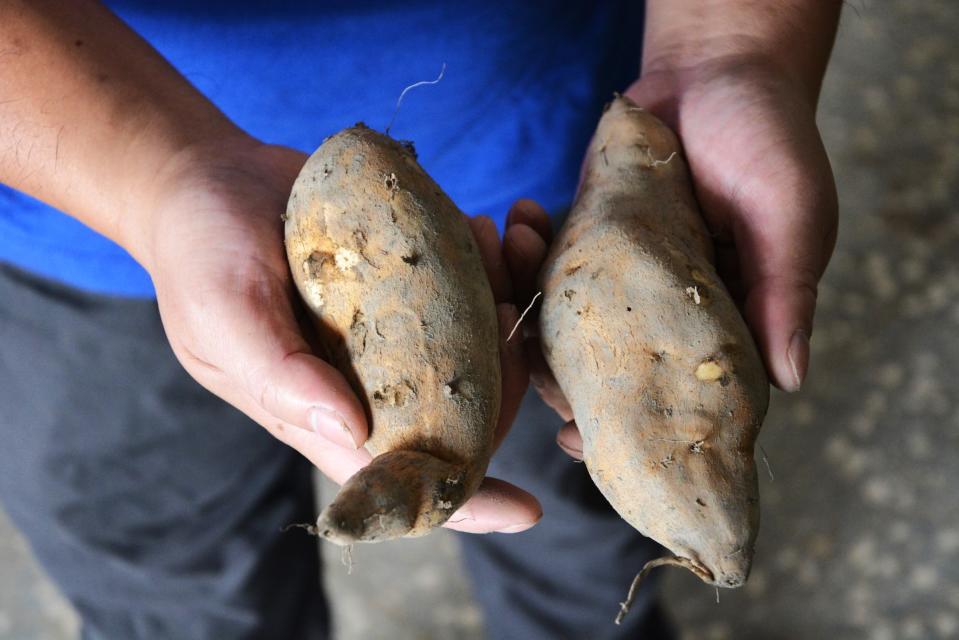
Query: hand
x=525 y=244
x=214 y=247
x=766 y=190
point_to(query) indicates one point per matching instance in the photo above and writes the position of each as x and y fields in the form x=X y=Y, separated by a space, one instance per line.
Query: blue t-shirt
x=524 y=86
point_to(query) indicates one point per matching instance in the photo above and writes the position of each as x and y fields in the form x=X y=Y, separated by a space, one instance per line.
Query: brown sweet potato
x=663 y=377
x=395 y=284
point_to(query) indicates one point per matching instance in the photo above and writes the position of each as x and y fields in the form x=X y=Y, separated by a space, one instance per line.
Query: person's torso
x=523 y=87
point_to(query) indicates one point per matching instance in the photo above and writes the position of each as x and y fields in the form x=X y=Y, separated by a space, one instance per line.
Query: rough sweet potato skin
x=663 y=377
x=395 y=285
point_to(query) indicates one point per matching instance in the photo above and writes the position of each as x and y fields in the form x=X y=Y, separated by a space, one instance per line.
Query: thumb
x=782 y=256
x=780 y=310
x=249 y=350
x=300 y=389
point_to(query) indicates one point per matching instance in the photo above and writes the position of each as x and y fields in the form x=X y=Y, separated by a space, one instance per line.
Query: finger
x=524 y=250
x=514 y=371
x=543 y=380
x=304 y=390
x=782 y=256
x=569 y=440
x=339 y=464
x=487 y=239
x=497 y=506
x=528 y=212
x=334 y=461
x=253 y=344
x=780 y=309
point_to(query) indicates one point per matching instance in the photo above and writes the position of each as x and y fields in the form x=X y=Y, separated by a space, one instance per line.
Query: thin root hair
x=701 y=571
x=399 y=100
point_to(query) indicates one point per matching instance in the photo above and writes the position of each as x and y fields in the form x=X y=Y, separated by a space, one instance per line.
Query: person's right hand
x=213 y=244
x=525 y=245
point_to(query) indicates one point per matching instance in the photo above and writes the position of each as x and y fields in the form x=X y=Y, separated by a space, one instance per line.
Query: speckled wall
x=860 y=534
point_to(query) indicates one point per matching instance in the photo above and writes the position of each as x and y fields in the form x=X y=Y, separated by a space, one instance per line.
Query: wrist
x=736 y=82
x=678 y=73
x=165 y=172
x=687 y=39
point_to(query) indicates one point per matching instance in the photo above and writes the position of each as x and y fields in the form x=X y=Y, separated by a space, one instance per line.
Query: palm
x=230 y=313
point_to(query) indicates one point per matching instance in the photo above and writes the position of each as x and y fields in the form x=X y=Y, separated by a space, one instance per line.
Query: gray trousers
x=158 y=509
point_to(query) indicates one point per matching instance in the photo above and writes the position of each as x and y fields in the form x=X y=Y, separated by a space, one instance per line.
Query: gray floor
x=860 y=534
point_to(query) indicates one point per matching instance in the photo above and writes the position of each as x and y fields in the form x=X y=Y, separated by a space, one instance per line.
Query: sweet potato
x=663 y=377
x=396 y=288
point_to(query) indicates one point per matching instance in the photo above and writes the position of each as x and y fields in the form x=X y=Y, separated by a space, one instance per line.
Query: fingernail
x=331 y=426
x=798 y=356
x=576 y=453
x=516 y=528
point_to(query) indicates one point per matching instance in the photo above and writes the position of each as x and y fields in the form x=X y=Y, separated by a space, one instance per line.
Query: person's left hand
x=767 y=194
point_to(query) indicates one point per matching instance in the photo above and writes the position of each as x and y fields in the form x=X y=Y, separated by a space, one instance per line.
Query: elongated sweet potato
x=389 y=269
x=662 y=375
